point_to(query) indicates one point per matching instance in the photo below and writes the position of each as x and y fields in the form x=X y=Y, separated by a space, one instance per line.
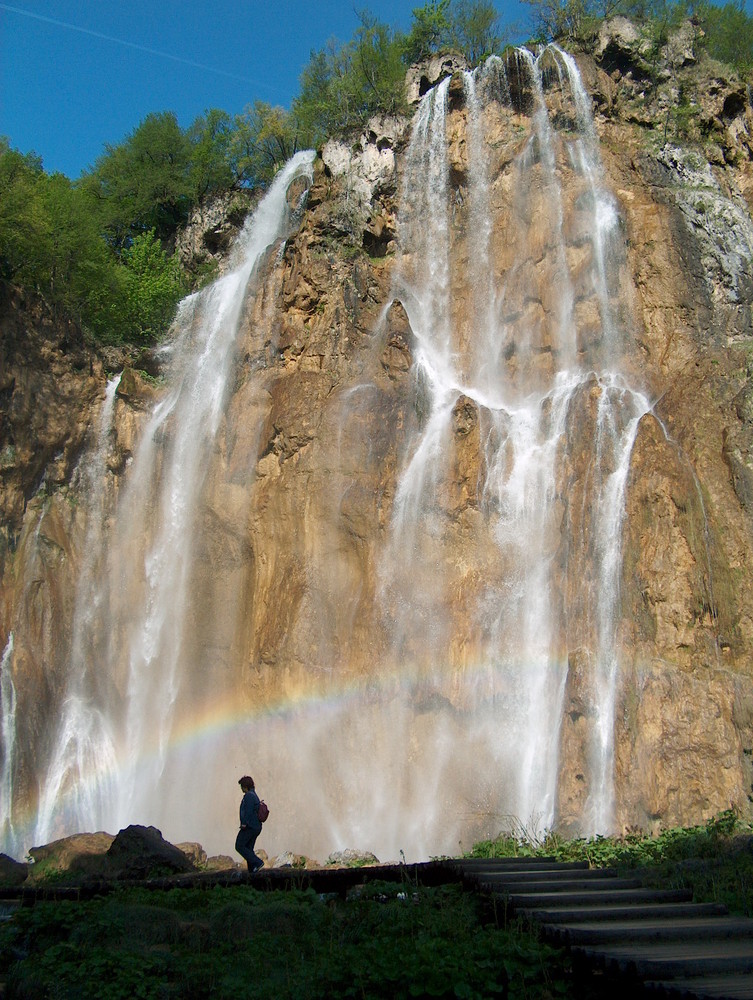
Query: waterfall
x=511 y=695
x=8 y=746
x=111 y=752
x=493 y=572
x=83 y=762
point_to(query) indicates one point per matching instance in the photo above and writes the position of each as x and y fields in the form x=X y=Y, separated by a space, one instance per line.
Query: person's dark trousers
x=244 y=845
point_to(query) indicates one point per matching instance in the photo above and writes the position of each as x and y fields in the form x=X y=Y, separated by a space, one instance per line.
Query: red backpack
x=263 y=811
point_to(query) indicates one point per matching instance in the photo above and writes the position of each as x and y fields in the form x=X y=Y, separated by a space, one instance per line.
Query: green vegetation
x=727 y=30
x=101 y=250
x=470 y=26
x=715 y=859
x=391 y=940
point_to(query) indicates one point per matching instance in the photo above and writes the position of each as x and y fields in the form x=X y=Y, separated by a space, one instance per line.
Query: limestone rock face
x=425 y=75
x=303 y=574
x=214 y=224
x=49 y=382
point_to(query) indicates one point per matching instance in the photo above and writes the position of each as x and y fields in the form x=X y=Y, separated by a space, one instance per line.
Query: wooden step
x=706 y=988
x=547 y=875
x=672 y=960
x=519 y=883
x=631 y=930
x=615 y=897
x=501 y=864
x=576 y=914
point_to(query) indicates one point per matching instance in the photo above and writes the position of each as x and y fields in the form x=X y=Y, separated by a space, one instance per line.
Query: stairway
x=655 y=942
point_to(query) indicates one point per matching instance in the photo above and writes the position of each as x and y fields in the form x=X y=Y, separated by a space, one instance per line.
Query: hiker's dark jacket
x=250 y=812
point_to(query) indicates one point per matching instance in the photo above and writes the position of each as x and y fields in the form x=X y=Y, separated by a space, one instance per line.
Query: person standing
x=250 y=825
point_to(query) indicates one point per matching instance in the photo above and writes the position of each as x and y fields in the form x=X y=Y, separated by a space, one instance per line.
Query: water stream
x=8 y=737
x=512 y=692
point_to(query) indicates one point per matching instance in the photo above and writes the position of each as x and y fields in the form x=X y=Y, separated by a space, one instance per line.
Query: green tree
x=77 y=271
x=343 y=85
x=153 y=286
x=21 y=213
x=144 y=182
x=430 y=32
x=380 y=68
x=475 y=29
x=728 y=33
x=210 y=167
x=50 y=243
x=262 y=139
x=557 y=19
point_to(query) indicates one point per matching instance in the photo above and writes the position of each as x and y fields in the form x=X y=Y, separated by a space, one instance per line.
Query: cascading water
x=8 y=738
x=83 y=755
x=127 y=663
x=499 y=561
x=525 y=376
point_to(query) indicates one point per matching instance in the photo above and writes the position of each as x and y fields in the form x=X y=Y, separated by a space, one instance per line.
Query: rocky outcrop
x=203 y=245
x=362 y=211
x=427 y=74
x=49 y=383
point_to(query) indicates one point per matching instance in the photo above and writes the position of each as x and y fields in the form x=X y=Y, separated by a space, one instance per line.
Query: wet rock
x=397 y=356
x=456 y=92
x=137 y=390
x=49 y=382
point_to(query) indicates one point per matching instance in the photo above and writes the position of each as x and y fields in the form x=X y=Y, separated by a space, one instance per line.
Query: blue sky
x=76 y=74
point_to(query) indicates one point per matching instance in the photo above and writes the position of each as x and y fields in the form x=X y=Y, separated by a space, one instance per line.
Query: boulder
x=290 y=860
x=82 y=853
x=194 y=852
x=221 y=863
x=351 y=858
x=12 y=872
x=142 y=851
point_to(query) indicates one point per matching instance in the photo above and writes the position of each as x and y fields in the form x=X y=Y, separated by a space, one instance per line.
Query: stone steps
x=687 y=928
x=650 y=942
x=708 y=988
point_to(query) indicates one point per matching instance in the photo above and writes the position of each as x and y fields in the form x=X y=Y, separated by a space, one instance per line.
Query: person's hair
x=247 y=783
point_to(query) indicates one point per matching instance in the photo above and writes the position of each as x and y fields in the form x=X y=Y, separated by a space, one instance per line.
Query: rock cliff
x=301 y=607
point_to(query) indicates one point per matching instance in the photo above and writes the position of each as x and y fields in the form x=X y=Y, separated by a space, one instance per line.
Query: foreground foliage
x=395 y=941
x=714 y=860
